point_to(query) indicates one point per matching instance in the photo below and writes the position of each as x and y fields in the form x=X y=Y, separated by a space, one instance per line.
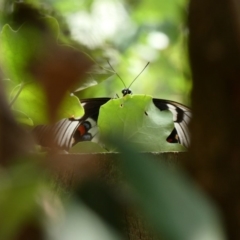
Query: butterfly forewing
x=67 y=132
x=91 y=107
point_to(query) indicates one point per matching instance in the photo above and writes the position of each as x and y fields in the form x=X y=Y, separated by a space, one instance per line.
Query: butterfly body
x=126 y=91
x=67 y=132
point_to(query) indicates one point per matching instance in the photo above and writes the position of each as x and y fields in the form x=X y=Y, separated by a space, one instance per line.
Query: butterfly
x=69 y=131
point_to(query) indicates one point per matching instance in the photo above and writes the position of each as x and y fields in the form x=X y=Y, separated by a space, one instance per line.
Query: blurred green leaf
x=65 y=6
x=19 y=188
x=19 y=47
x=174 y=207
x=16 y=51
x=9 y=86
x=159 y=10
x=135 y=119
x=32 y=102
x=80 y=222
x=22 y=118
x=129 y=49
x=70 y=107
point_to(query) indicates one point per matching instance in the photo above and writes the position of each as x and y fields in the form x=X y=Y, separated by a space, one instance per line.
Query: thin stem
x=17 y=94
x=117 y=74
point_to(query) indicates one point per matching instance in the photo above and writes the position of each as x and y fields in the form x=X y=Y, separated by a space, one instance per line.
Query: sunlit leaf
x=8 y=85
x=66 y=6
x=32 y=53
x=32 y=102
x=136 y=120
x=17 y=49
x=22 y=118
x=70 y=107
x=160 y=10
x=22 y=46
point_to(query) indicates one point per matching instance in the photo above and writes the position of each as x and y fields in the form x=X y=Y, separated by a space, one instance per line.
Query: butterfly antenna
x=117 y=74
x=138 y=75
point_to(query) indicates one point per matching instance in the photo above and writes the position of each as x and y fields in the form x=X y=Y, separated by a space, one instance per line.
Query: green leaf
x=19 y=48
x=81 y=222
x=32 y=102
x=22 y=118
x=173 y=206
x=160 y=10
x=70 y=107
x=136 y=119
x=8 y=85
x=97 y=75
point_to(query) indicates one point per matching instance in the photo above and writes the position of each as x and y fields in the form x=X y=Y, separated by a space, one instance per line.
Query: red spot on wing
x=82 y=130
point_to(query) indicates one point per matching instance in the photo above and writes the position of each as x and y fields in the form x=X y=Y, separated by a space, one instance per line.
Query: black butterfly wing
x=69 y=131
x=181 y=118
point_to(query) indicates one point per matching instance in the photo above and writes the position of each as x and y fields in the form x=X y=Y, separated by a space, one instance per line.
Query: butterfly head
x=126 y=91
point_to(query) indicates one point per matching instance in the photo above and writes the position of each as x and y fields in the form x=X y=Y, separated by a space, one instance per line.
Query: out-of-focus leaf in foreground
x=19 y=188
x=58 y=70
x=33 y=53
x=17 y=49
x=80 y=222
x=174 y=207
x=14 y=140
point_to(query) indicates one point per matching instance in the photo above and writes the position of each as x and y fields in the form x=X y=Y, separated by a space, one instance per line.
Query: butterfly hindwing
x=181 y=118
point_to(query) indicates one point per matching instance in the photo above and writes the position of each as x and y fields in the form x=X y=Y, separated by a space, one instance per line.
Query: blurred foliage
x=32 y=52
x=34 y=204
x=144 y=32
x=18 y=197
x=129 y=34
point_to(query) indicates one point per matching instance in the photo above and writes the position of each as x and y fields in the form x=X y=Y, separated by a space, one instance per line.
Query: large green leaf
x=80 y=222
x=136 y=119
x=153 y=10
